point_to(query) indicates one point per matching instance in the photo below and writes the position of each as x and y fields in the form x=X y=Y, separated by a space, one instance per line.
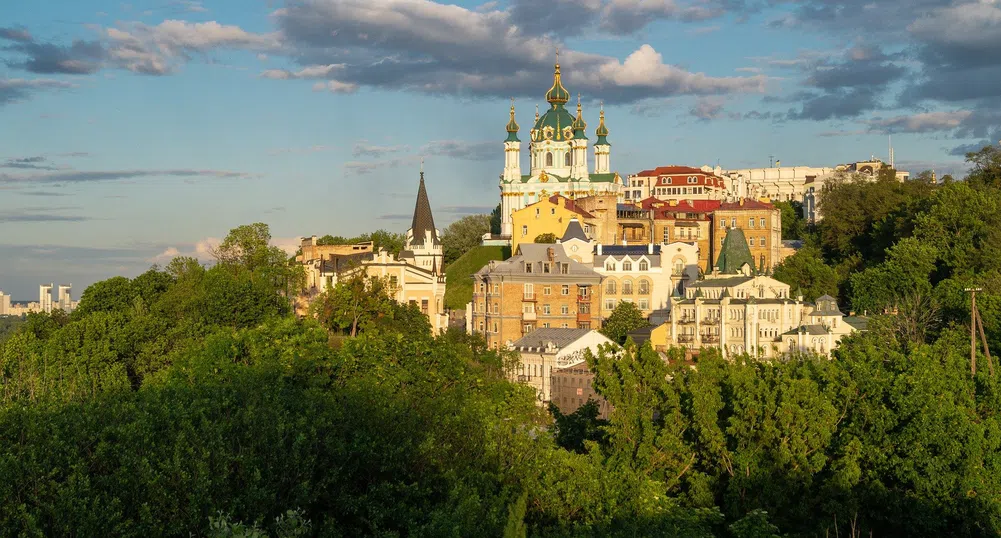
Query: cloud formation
x=921 y=123
x=87 y=176
x=19 y=89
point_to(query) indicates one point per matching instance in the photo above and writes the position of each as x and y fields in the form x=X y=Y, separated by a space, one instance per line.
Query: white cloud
x=646 y=68
x=310 y=71
x=921 y=123
x=335 y=86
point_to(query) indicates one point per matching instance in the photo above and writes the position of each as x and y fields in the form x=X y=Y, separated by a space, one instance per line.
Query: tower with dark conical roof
x=423 y=243
x=735 y=256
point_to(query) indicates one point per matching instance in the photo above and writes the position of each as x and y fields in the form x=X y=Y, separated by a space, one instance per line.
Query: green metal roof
x=558 y=118
x=734 y=253
x=512 y=127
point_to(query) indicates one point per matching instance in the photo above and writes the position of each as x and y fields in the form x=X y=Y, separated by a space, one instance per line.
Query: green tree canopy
x=549 y=238
x=807 y=271
x=463 y=235
x=625 y=318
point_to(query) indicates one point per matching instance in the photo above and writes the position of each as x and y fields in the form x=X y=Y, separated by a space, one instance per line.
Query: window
x=750 y=222
x=496 y=288
x=693 y=179
x=496 y=308
x=644 y=266
x=609 y=304
x=545 y=325
x=537 y=212
x=547 y=290
x=546 y=267
x=750 y=242
x=527 y=328
x=722 y=223
x=481 y=326
x=564 y=309
x=549 y=158
x=495 y=326
x=529 y=290
x=527 y=308
x=524 y=231
x=627 y=287
x=609 y=266
x=528 y=267
x=424 y=306
x=582 y=291
x=733 y=222
x=762 y=242
x=583 y=308
x=546 y=310
x=610 y=287
x=762 y=220
x=565 y=290
x=566 y=159
x=564 y=326
x=564 y=268
x=627 y=266
x=644 y=304
x=667 y=235
x=393 y=281
x=644 y=287
x=679 y=268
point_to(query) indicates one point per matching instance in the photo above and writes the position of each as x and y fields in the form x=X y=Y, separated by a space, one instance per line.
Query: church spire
x=579 y=125
x=601 y=132
x=423 y=223
x=512 y=126
x=557 y=94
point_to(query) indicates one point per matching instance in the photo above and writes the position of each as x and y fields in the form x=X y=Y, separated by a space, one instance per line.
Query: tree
x=625 y=318
x=807 y=271
x=354 y=304
x=495 y=220
x=793 y=224
x=571 y=431
x=986 y=167
x=545 y=238
x=463 y=235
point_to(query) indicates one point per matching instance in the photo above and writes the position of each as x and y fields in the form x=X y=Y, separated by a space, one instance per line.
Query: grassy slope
x=459 y=290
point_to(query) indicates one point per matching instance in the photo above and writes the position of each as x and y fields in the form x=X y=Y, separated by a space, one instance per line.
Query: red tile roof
x=663 y=172
x=669 y=171
x=570 y=204
x=667 y=211
x=746 y=204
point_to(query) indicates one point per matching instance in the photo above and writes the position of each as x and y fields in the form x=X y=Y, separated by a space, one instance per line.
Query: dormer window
x=609 y=266
x=528 y=267
x=644 y=266
x=692 y=180
x=627 y=266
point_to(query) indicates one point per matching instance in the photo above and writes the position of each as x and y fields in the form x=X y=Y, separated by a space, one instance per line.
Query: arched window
x=610 y=287
x=679 y=268
x=627 y=287
x=566 y=159
x=644 y=287
x=549 y=158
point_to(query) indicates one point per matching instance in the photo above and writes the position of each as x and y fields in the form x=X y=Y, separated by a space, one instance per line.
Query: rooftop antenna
x=771 y=161
x=890 y=137
x=422 y=168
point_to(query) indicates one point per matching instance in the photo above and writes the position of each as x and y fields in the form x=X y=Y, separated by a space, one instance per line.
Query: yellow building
x=548 y=216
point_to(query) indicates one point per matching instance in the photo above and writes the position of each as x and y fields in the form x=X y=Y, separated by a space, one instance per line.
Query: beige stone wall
x=740 y=218
x=572 y=387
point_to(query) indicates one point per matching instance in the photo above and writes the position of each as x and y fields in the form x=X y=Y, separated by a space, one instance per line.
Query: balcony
x=710 y=321
x=710 y=339
x=686 y=320
x=529 y=297
x=583 y=298
x=686 y=338
x=529 y=316
x=583 y=316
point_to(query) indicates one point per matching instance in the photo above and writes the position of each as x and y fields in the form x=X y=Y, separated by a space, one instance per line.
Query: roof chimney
x=599 y=249
x=649 y=248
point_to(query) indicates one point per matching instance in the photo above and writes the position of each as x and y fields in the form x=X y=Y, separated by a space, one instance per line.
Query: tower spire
x=557 y=94
x=512 y=126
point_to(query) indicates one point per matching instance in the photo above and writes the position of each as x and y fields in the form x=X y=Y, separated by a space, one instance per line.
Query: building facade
x=674 y=183
x=557 y=151
x=761 y=224
x=740 y=311
x=539 y=287
x=645 y=275
x=544 y=352
x=5 y=304
x=549 y=216
x=415 y=277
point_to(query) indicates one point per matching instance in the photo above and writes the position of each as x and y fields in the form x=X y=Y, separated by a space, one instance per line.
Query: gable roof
x=560 y=338
x=670 y=170
x=746 y=204
x=567 y=203
x=574 y=231
x=423 y=220
x=734 y=253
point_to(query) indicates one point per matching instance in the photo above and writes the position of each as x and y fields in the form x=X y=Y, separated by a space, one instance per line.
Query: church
x=558 y=158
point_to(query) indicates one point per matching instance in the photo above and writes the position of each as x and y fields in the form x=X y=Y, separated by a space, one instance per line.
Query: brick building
x=539 y=287
x=761 y=223
x=674 y=183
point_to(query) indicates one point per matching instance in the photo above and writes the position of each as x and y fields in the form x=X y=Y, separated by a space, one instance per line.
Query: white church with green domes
x=558 y=154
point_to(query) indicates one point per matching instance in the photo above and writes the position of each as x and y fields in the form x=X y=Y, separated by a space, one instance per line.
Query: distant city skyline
x=134 y=132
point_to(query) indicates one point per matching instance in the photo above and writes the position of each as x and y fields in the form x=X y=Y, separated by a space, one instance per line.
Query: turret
x=601 y=147
x=512 y=151
x=578 y=147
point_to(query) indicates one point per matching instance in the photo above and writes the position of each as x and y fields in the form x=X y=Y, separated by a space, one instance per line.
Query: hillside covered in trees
x=188 y=401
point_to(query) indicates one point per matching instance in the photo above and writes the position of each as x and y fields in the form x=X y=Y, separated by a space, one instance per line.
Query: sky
x=134 y=132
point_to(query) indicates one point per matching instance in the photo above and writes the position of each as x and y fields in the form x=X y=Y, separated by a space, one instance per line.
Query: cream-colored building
x=739 y=311
x=416 y=276
x=4 y=304
x=545 y=351
x=645 y=275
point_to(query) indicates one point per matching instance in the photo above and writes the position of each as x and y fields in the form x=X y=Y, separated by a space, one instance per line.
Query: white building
x=545 y=350
x=45 y=297
x=4 y=304
x=646 y=275
x=64 y=302
x=557 y=156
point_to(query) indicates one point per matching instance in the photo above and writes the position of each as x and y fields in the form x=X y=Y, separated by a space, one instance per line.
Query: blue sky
x=131 y=132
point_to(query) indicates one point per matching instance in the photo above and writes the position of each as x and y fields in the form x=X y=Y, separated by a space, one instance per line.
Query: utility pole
x=977 y=323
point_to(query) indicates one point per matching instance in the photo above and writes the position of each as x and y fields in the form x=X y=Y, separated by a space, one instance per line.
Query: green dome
x=601 y=132
x=579 y=125
x=512 y=127
x=557 y=94
x=558 y=119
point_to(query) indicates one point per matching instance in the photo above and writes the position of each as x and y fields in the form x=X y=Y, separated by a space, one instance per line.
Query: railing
x=686 y=338
x=710 y=339
x=528 y=297
x=710 y=321
x=686 y=321
x=675 y=272
x=583 y=316
x=529 y=316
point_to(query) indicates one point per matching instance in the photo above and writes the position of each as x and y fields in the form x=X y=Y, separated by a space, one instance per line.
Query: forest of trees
x=189 y=401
